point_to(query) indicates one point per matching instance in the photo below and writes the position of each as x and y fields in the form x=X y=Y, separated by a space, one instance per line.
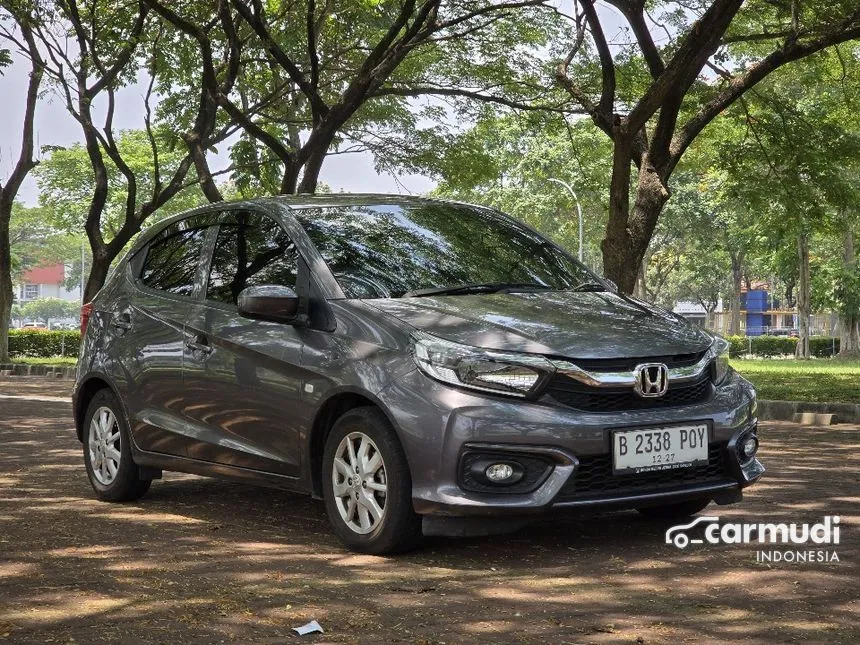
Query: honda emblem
x=652 y=380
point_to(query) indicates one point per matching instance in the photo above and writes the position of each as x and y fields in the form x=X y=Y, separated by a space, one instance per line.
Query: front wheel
x=107 y=452
x=677 y=511
x=367 y=485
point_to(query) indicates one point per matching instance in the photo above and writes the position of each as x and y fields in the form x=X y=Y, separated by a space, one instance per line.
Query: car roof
x=344 y=199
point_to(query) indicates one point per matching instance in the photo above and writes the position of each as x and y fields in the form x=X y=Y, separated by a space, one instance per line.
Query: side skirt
x=153 y=461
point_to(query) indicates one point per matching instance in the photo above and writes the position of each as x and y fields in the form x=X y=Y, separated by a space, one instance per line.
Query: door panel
x=243 y=376
x=243 y=391
x=145 y=331
x=154 y=351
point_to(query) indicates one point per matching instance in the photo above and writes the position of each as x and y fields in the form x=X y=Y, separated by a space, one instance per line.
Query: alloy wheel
x=104 y=446
x=359 y=483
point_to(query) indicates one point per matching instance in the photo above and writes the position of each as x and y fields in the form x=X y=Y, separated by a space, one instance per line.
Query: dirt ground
x=204 y=561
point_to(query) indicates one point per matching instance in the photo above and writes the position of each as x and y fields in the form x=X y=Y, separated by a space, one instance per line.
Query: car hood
x=592 y=325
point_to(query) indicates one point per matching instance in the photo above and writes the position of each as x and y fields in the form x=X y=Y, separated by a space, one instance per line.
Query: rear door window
x=173 y=258
x=251 y=250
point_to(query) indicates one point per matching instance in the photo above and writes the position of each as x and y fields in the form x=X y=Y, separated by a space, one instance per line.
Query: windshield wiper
x=590 y=286
x=484 y=287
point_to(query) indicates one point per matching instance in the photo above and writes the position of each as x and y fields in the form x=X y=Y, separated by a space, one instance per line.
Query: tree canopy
x=744 y=111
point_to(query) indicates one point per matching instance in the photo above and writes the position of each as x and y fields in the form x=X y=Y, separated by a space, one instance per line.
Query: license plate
x=650 y=449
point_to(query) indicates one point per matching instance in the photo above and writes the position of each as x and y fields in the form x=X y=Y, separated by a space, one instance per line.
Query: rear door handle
x=199 y=344
x=121 y=321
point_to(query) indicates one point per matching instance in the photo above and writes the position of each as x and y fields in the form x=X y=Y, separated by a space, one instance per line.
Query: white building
x=45 y=282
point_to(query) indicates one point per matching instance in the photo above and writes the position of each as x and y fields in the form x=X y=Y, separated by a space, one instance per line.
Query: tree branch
x=420 y=90
x=26 y=162
x=256 y=19
x=312 y=44
x=634 y=12
x=697 y=47
x=606 y=105
x=792 y=50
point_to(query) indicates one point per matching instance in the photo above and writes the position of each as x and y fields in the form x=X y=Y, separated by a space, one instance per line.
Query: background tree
x=17 y=313
x=847 y=291
x=50 y=309
x=653 y=101
x=505 y=161
x=325 y=77
x=799 y=136
x=67 y=182
x=112 y=43
x=34 y=240
x=14 y=22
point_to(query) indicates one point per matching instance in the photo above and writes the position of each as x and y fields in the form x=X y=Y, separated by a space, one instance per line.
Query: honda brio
x=422 y=366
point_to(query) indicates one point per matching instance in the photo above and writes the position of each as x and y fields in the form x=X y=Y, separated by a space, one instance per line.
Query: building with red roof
x=45 y=282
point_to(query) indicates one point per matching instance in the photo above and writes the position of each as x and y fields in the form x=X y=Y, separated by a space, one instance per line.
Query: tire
x=114 y=476
x=371 y=513
x=675 y=511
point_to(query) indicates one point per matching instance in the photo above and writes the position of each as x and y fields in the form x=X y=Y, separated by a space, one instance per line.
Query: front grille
x=580 y=396
x=594 y=478
x=628 y=364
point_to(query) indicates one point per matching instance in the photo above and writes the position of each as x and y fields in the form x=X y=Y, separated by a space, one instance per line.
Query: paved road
x=200 y=560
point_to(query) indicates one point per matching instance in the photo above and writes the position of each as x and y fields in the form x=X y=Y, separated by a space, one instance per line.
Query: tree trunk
x=789 y=293
x=849 y=321
x=629 y=233
x=9 y=192
x=709 y=316
x=6 y=294
x=204 y=173
x=311 y=175
x=101 y=262
x=803 y=304
x=737 y=285
x=290 y=180
x=641 y=290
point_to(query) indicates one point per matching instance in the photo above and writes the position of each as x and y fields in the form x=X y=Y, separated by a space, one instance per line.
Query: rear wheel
x=675 y=511
x=367 y=485
x=107 y=452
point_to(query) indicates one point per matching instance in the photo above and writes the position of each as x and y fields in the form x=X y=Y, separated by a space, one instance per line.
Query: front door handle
x=199 y=344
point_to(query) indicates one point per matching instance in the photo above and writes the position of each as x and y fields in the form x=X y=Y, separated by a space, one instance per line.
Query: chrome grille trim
x=628 y=378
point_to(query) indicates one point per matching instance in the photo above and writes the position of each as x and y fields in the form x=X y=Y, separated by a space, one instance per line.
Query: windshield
x=386 y=251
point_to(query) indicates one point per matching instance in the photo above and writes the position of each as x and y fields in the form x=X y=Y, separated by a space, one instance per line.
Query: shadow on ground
x=207 y=561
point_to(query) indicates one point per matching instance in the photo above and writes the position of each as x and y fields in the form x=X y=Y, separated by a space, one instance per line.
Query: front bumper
x=438 y=424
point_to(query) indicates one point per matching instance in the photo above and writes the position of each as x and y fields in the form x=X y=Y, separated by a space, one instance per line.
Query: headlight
x=480 y=369
x=720 y=352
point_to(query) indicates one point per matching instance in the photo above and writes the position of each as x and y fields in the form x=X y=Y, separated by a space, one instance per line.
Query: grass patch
x=819 y=379
x=60 y=361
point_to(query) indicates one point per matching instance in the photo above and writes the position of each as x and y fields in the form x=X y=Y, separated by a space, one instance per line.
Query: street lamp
x=578 y=209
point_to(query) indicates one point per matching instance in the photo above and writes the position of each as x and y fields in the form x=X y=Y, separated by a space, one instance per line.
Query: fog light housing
x=496 y=472
x=747 y=447
x=499 y=473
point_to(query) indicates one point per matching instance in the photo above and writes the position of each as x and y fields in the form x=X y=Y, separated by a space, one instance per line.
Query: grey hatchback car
x=422 y=366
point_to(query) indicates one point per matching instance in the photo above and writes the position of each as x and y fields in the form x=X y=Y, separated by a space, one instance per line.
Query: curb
x=47 y=371
x=794 y=410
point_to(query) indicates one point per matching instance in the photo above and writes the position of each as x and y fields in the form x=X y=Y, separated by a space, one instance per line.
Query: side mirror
x=612 y=286
x=270 y=302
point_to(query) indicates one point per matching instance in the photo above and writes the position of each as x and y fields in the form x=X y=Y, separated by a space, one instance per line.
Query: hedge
x=37 y=343
x=767 y=346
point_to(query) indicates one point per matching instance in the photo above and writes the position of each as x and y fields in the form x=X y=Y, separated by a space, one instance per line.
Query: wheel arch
x=334 y=407
x=84 y=394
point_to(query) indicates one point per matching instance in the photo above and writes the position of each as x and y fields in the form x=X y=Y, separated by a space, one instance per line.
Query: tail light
x=86 y=312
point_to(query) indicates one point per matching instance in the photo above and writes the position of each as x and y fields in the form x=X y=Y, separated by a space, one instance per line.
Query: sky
x=54 y=126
